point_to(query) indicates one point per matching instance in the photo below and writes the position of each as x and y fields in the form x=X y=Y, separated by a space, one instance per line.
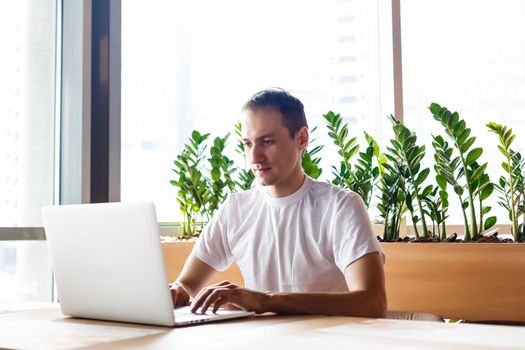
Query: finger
x=221 y=284
x=232 y=306
x=219 y=303
x=205 y=292
x=212 y=298
x=179 y=298
x=182 y=299
x=173 y=297
x=200 y=298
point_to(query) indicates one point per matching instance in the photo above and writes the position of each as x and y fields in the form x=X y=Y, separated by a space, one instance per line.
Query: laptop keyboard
x=184 y=314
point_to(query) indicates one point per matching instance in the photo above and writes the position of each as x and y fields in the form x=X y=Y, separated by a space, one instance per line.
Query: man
x=303 y=246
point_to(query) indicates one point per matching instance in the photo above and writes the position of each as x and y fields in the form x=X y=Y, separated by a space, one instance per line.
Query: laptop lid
x=108 y=262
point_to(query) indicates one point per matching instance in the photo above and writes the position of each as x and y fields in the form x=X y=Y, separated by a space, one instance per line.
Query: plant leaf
x=491 y=221
x=478 y=172
x=422 y=176
x=486 y=192
x=442 y=182
x=473 y=155
x=427 y=191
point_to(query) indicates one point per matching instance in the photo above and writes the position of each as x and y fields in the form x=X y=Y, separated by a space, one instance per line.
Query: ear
x=303 y=138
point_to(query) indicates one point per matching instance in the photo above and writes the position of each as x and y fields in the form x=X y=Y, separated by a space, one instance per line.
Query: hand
x=226 y=292
x=179 y=294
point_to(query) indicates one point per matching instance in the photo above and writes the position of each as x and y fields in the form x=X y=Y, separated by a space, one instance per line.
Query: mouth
x=262 y=170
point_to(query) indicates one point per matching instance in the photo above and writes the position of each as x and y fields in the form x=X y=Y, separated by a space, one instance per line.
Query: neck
x=285 y=189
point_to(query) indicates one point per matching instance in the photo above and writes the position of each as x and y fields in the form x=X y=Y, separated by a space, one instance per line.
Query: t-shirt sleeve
x=353 y=233
x=212 y=245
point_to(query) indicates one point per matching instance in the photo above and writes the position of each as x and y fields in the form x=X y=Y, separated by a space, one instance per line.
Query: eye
x=267 y=142
x=247 y=144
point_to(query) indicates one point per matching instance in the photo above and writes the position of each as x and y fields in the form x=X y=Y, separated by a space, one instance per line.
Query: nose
x=256 y=154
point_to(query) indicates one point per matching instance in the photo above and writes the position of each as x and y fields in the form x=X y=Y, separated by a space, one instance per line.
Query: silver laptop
x=108 y=265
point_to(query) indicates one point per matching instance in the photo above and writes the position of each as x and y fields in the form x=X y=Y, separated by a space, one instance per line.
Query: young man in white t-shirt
x=303 y=246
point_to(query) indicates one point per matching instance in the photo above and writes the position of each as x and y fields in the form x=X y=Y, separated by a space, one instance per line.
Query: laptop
x=108 y=265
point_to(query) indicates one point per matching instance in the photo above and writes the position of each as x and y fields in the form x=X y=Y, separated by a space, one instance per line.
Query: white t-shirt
x=299 y=243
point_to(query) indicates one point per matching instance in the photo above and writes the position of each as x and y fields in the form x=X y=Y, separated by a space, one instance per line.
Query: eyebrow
x=260 y=137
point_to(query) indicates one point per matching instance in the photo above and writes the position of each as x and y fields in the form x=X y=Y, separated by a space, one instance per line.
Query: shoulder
x=244 y=195
x=242 y=199
x=326 y=191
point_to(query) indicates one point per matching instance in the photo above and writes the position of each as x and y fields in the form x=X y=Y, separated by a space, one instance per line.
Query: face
x=275 y=157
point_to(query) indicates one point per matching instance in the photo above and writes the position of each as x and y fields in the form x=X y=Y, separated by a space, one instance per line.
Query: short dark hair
x=290 y=107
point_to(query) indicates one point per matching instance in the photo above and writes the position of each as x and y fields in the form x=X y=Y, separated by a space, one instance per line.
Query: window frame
x=87 y=149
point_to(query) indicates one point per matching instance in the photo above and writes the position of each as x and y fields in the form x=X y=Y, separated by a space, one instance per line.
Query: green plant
x=246 y=176
x=391 y=203
x=361 y=179
x=376 y=152
x=348 y=147
x=519 y=162
x=476 y=181
x=365 y=172
x=365 y=163
x=192 y=186
x=437 y=204
x=309 y=162
x=397 y=174
x=511 y=187
x=445 y=168
x=406 y=156
x=221 y=172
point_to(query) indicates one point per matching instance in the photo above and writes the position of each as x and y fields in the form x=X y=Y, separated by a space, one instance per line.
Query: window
x=27 y=102
x=192 y=64
x=468 y=56
x=27 y=109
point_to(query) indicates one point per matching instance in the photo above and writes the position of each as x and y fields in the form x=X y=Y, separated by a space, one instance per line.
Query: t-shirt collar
x=292 y=198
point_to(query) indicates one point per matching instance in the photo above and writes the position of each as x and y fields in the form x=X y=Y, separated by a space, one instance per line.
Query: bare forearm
x=195 y=275
x=191 y=285
x=364 y=277
x=356 y=303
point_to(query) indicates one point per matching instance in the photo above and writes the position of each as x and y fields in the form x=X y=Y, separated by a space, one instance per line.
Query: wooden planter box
x=471 y=281
x=175 y=254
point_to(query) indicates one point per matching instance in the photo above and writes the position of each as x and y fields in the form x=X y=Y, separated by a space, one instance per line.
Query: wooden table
x=48 y=329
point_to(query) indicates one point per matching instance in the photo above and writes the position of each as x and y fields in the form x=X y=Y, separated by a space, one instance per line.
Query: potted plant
x=361 y=176
x=460 y=279
x=202 y=184
x=512 y=188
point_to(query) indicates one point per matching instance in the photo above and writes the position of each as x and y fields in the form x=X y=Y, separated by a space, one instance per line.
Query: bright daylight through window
x=27 y=109
x=192 y=64
x=474 y=65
